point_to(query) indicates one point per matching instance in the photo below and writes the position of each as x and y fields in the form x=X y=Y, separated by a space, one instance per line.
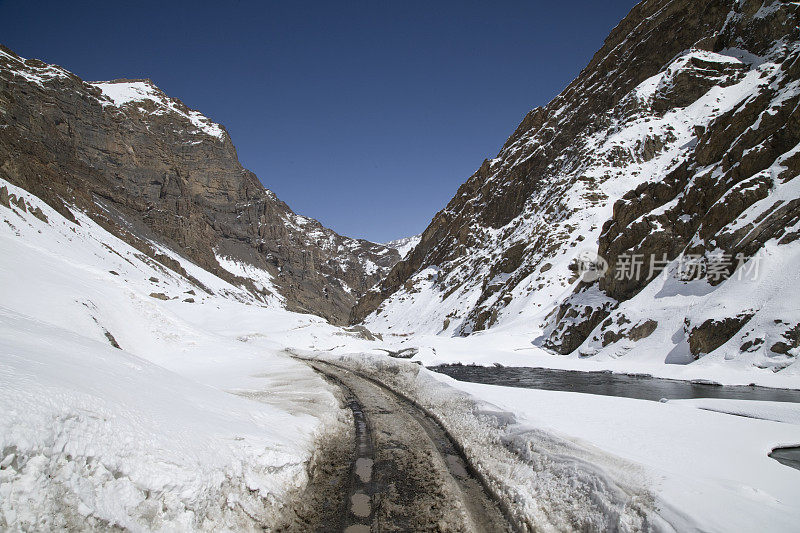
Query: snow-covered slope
x=136 y=397
x=662 y=157
x=404 y=245
x=142 y=92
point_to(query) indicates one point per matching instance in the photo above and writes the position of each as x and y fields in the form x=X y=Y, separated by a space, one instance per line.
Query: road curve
x=406 y=474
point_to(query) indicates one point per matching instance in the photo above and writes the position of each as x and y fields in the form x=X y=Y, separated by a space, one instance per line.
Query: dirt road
x=405 y=474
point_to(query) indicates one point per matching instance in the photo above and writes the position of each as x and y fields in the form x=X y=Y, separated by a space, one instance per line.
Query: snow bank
x=572 y=461
x=775 y=411
x=547 y=483
x=708 y=471
x=130 y=397
x=507 y=345
x=94 y=436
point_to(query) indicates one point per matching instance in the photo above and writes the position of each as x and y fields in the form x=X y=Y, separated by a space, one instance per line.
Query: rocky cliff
x=668 y=167
x=167 y=179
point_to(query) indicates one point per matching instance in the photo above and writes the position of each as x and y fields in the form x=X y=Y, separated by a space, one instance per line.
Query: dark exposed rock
x=689 y=80
x=19 y=202
x=511 y=259
x=792 y=341
x=159 y=296
x=643 y=330
x=111 y=339
x=780 y=347
x=638 y=332
x=573 y=323
x=712 y=334
x=38 y=213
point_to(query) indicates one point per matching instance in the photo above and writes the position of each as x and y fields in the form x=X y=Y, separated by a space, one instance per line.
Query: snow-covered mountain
x=672 y=162
x=404 y=245
x=164 y=177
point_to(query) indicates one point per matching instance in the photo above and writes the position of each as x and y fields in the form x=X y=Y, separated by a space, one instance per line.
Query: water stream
x=608 y=384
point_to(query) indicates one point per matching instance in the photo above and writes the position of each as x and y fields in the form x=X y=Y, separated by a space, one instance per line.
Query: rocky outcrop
x=689 y=78
x=702 y=208
x=160 y=174
x=712 y=334
x=679 y=140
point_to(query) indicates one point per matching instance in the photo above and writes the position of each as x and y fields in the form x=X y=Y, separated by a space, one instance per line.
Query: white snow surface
x=261 y=278
x=404 y=245
x=121 y=93
x=200 y=420
x=776 y=411
x=708 y=471
x=573 y=461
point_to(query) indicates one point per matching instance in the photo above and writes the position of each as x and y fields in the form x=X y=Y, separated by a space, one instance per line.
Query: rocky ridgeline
x=678 y=140
x=159 y=174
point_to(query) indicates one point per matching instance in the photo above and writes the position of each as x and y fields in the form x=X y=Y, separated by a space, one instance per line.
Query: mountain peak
x=167 y=178
x=133 y=92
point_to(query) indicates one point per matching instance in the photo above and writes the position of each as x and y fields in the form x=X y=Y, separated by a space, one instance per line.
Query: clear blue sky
x=364 y=115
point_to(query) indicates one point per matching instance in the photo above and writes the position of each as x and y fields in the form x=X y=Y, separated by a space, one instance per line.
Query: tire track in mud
x=406 y=473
